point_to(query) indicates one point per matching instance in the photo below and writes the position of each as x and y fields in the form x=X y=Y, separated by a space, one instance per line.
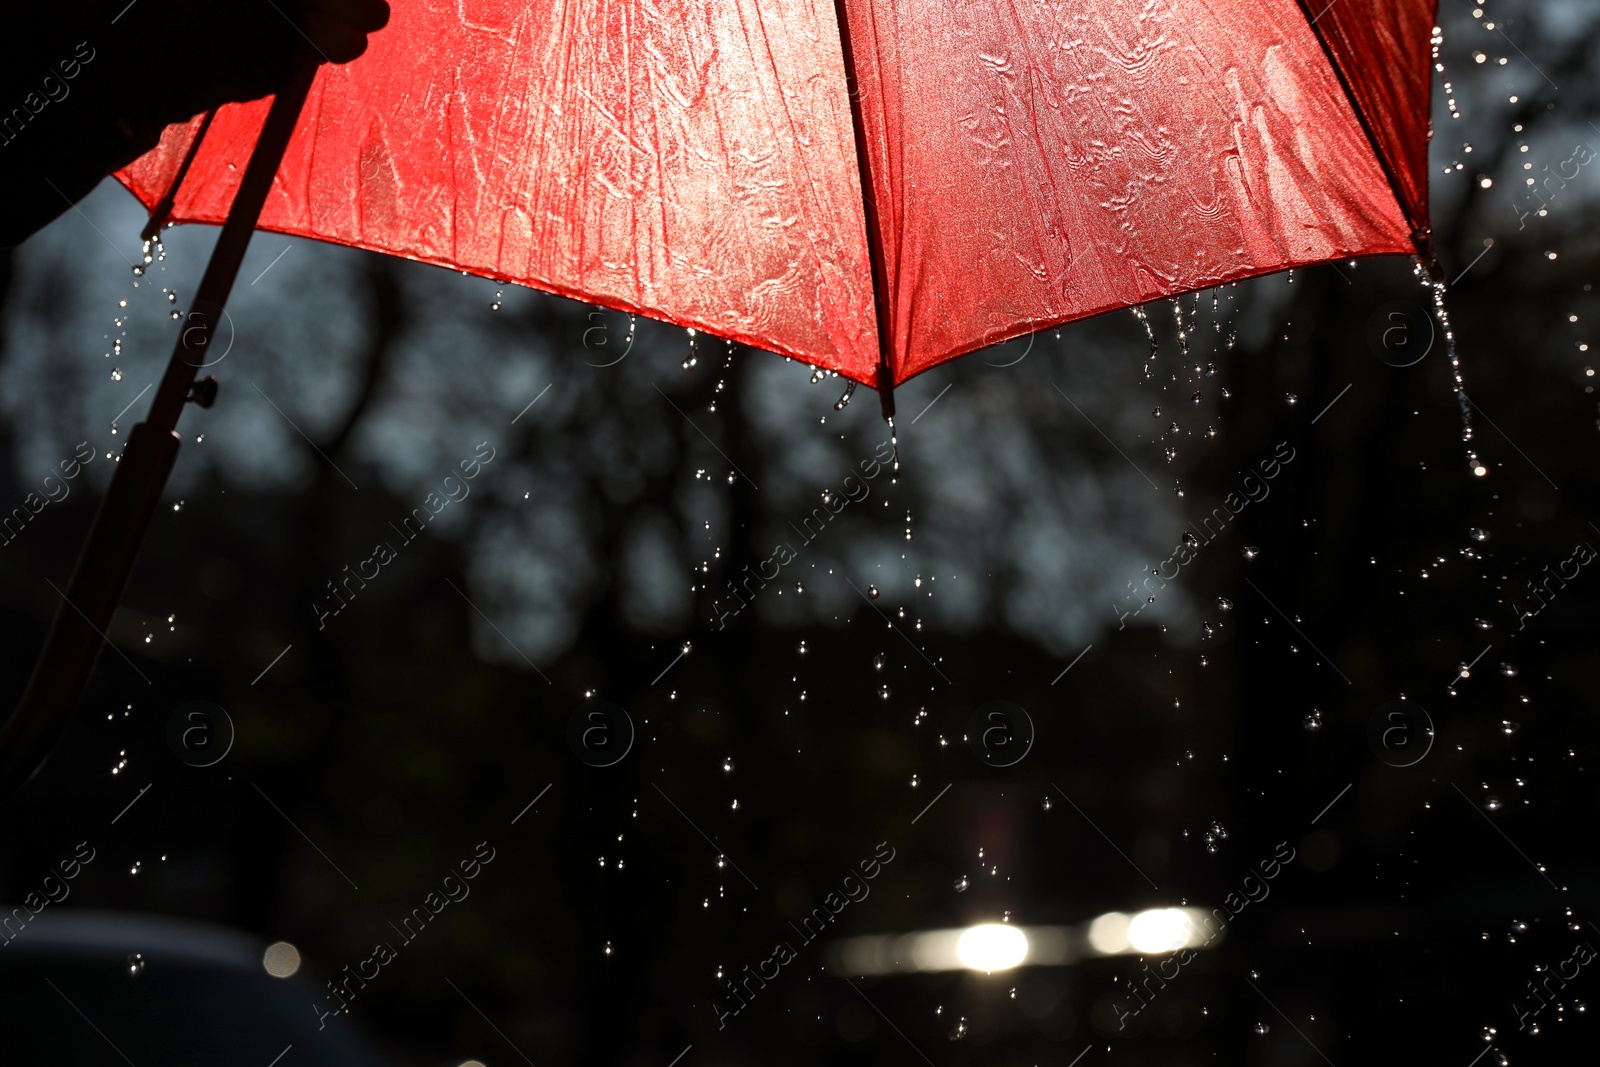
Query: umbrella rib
x=1419 y=227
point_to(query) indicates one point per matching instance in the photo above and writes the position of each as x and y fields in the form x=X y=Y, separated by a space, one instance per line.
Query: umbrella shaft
x=62 y=673
x=194 y=340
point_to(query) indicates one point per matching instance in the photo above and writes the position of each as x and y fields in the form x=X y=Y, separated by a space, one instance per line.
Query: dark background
x=415 y=724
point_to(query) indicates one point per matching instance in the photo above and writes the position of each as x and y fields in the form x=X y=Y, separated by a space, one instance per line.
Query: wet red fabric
x=696 y=160
x=1384 y=53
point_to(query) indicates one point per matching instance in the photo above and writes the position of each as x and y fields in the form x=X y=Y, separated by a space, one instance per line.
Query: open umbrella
x=873 y=186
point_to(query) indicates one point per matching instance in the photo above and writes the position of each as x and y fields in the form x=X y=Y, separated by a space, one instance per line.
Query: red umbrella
x=704 y=162
x=873 y=187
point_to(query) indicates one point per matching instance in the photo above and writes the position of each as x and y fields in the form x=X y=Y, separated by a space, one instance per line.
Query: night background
x=636 y=470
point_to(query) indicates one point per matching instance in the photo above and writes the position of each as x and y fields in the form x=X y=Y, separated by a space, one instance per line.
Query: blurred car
x=88 y=987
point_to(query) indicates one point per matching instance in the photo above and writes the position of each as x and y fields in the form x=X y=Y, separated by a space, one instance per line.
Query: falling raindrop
x=961 y=884
x=1251 y=552
x=1508 y=727
x=879 y=661
x=1046 y=804
x=135 y=964
x=1478 y=534
x=1509 y=670
x=1313 y=722
x=849 y=391
x=872 y=591
x=1262 y=1029
x=1493 y=803
x=1224 y=604
x=960 y=1031
x=1290 y=399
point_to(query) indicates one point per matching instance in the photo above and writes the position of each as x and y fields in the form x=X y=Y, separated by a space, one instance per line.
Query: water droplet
x=883 y=692
x=878 y=661
x=1190 y=540
x=1290 y=399
x=872 y=591
x=135 y=964
x=736 y=804
x=727 y=765
x=1509 y=670
x=960 y=1031
x=1493 y=803
x=849 y=391
x=1508 y=727
x=1155 y=413
x=1313 y=722
x=116 y=374
x=1251 y=552
x=1224 y=604
x=960 y=885
x=1046 y=804
x=1262 y=1029
x=1478 y=534
x=1484 y=624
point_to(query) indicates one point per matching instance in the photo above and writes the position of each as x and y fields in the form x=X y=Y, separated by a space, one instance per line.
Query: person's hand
x=338 y=29
x=245 y=50
x=138 y=68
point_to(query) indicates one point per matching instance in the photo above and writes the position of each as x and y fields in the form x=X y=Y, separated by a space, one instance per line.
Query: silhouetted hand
x=87 y=88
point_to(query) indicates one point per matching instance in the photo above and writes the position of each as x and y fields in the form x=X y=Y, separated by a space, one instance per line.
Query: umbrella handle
x=64 y=667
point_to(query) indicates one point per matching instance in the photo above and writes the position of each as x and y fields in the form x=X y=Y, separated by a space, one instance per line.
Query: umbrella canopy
x=874 y=187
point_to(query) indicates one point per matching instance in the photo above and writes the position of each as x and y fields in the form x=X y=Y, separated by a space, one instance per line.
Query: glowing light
x=1108 y=934
x=1161 y=930
x=281 y=959
x=992 y=947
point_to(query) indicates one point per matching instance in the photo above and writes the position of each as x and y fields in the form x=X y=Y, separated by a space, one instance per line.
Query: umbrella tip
x=886 y=393
x=1427 y=255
